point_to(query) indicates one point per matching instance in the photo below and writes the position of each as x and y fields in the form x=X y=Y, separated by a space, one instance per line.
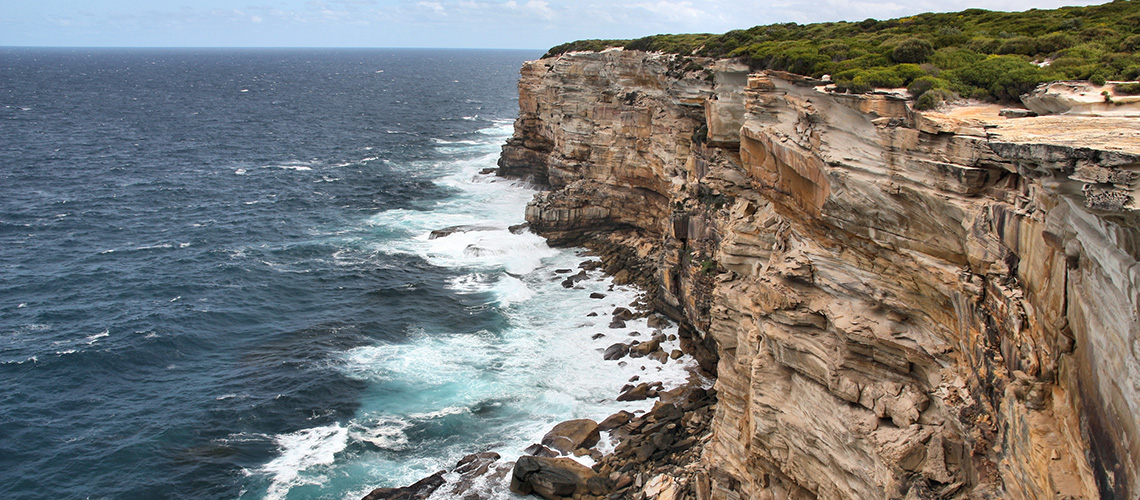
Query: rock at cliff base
x=539 y=450
x=597 y=295
x=638 y=393
x=616 y=420
x=616 y=351
x=418 y=491
x=571 y=435
x=644 y=349
x=476 y=464
x=657 y=321
x=573 y=280
x=550 y=478
x=448 y=231
x=617 y=323
x=590 y=265
x=622 y=314
x=661 y=487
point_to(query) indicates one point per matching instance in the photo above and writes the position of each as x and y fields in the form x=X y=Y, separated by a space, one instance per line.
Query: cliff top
x=973 y=53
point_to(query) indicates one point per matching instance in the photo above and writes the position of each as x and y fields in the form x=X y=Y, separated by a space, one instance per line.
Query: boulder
x=664 y=412
x=623 y=314
x=662 y=487
x=448 y=231
x=476 y=464
x=637 y=393
x=418 y=491
x=590 y=265
x=539 y=450
x=643 y=349
x=597 y=295
x=616 y=420
x=657 y=321
x=616 y=351
x=550 y=478
x=571 y=435
x=573 y=280
x=473 y=469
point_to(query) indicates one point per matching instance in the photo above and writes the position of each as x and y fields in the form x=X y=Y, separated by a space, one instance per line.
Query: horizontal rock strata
x=895 y=304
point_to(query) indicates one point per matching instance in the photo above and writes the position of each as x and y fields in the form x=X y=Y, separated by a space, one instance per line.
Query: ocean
x=218 y=278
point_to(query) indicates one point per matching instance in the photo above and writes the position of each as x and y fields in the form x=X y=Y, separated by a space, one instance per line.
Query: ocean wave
x=95 y=338
x=301 y=451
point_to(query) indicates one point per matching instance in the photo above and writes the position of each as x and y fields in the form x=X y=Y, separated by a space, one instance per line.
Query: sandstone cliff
x=895 y=304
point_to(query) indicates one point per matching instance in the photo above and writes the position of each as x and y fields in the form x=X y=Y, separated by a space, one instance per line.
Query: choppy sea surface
x=217 y=278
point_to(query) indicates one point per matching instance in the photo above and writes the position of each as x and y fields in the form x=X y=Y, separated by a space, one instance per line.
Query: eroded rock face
x=896 y=304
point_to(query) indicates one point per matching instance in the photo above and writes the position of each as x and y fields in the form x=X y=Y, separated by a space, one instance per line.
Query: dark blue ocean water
x=216 y=279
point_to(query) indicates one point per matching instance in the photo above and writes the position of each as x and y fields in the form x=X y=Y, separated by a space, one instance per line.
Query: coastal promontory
x=896 y=302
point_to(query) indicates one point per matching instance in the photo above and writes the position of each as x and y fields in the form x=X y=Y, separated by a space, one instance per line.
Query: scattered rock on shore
x=616 y=351
x=550 y=478
x=572 y=435
x=418 y=491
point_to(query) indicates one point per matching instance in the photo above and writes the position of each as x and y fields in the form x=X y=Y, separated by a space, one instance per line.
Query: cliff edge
x=896 y=304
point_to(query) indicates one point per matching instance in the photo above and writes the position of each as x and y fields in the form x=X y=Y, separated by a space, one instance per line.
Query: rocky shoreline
x=655 y=453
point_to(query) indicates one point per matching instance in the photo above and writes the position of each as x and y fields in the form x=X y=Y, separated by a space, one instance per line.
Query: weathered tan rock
x=572 y=434
x=1081 y=98
x=895 y=304
x=550 y=478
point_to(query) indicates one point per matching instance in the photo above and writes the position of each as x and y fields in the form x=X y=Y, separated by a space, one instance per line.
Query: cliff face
x=895 y=304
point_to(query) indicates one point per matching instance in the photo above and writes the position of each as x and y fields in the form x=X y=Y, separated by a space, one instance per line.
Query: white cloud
x=434 y=6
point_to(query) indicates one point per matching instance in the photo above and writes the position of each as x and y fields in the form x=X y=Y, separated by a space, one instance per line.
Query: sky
x=518 y=24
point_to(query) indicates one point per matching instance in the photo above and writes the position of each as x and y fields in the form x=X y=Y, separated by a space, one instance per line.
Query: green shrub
x=1127 y=89
x=837 y=51
x=855 y=85
x=1053 y=42
x=1097 y=79
x=984 y=44
x=933 y=98
x=882 y=78
x=954 y=58
x=912 y=50
x=1005 y=77
x=1130 y=44
x=1024 y=45
x=923 y=84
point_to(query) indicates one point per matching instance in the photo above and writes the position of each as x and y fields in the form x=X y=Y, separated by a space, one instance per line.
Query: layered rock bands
x=896 y=305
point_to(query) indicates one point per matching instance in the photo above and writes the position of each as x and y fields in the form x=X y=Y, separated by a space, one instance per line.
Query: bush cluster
x=975 y=52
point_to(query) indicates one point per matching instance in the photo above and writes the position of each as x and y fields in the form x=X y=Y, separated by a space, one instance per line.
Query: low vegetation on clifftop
x=937 y=56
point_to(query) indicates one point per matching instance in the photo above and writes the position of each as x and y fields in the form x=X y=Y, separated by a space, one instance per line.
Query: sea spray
x=439 y=395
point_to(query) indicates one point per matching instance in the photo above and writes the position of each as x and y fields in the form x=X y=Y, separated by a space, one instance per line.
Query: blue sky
x=530 y=24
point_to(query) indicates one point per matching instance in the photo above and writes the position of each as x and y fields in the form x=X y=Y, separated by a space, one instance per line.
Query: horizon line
x=263 y=47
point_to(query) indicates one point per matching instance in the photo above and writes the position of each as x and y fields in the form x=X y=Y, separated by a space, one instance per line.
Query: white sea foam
x=95 y=338
x=300 y=451
x=502 y=390
x=384 y=434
